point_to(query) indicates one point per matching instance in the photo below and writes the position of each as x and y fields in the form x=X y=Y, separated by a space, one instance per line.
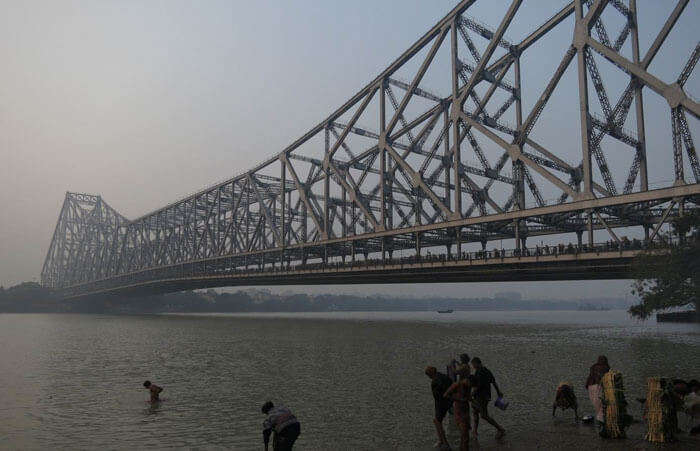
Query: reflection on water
x=354 y=379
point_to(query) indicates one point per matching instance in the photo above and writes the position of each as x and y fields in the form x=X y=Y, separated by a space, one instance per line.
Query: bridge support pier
x=579 y=236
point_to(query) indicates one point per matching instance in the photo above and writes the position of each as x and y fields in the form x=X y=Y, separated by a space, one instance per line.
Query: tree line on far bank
x=30 y=297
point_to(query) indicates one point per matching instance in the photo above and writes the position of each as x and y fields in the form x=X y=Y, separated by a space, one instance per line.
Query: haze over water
x=355 y=380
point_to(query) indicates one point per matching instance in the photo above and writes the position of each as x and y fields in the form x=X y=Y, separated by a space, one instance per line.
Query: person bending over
x=283 y=423
x=154 y=390
x=565 y=399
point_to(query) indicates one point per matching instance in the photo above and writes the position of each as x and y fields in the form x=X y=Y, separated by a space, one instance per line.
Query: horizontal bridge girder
x=583 y=266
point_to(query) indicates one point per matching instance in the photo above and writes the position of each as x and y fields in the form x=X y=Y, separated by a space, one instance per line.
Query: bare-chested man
x=154 y=389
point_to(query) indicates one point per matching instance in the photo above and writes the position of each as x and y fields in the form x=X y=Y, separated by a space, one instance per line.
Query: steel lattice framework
x=429 y=169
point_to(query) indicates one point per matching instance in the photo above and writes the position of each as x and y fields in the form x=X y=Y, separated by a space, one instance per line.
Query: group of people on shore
x=462 y=392
x=672 y=396
x=465 y=394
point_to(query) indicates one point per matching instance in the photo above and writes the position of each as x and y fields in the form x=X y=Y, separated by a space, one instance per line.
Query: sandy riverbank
x=564 y=434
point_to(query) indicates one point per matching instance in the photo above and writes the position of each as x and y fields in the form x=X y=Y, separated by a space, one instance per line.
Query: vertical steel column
x=458 y=233
x=446 y=159
x=233 y=217
x=382 y=152
x=581 y=33
x=382 y=161
x=456 y=153
x=193 y=229
x=247 y=216
x=517 y=168
x=419 y=205
x=218 y=219
x=326 y=185
x=305 y=221
x=418 y=245
x=283 y=210
x=345 y=211
x=639 y=104
x=677 y=146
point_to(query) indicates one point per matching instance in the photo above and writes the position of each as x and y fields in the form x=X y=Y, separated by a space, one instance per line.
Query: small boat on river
x=446 y=311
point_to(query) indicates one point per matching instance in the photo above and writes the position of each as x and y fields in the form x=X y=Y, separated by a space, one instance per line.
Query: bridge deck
x=575 y=266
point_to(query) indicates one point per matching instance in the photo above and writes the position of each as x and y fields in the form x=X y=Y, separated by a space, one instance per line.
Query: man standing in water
x=283 y=423
x=154 y=389
x=439 y=385
x=483 y=378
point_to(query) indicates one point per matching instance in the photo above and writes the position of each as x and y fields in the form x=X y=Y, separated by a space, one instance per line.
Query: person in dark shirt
x=439 y=384
x=481 y=395
x=283 y=423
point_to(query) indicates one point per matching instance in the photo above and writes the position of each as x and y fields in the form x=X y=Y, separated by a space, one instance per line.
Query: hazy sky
x=144 y=102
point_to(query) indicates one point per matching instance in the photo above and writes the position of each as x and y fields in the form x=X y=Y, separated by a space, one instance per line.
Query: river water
x=355 y=380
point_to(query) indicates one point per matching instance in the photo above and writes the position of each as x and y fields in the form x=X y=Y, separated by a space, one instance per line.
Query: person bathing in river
x=460 y=394
x=594 y=388
x=283 y=423
x=439 y=384
x=565 y=399
x=154 y=390
x=481 y=394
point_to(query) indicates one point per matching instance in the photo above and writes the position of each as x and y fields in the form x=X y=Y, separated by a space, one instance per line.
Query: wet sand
x=564 y=434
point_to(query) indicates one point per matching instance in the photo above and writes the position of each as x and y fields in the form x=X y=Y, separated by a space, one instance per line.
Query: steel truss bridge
x=404 y=180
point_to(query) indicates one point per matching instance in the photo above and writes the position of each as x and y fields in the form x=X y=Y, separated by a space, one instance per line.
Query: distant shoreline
x=33 y=298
